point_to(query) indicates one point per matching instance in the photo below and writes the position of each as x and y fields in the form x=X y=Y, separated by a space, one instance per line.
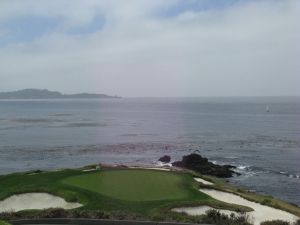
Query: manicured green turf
x=133 y=185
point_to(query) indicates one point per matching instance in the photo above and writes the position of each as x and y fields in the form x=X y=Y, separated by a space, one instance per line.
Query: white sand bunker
x=260 y=214
x=202 y=210
x=35 y=201
x=200 y=180
x=89 y=170
x=157 y=168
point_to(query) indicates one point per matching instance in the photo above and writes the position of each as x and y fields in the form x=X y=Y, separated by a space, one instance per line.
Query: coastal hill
x=46 y=94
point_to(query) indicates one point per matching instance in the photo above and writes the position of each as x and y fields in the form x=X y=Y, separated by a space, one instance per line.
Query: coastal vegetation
x=3 y=223
x=279 y=222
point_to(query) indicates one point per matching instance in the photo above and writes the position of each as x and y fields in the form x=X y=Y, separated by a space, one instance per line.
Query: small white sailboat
x=267 y=108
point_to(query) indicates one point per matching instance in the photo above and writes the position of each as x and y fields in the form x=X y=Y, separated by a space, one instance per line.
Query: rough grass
x=134 y=185
x=275 y=222
x=3 y=223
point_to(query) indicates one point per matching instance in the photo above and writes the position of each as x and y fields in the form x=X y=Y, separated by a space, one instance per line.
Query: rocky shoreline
x=201 y=164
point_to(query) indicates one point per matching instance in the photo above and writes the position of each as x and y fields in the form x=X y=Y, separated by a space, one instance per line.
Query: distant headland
x=46 y=94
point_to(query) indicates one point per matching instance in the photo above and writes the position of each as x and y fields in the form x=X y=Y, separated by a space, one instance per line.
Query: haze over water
x=52 y=134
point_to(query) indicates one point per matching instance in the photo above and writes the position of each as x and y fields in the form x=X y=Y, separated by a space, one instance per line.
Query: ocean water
x=52 y=134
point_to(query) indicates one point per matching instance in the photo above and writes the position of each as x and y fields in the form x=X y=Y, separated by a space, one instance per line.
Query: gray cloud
x=246 y=49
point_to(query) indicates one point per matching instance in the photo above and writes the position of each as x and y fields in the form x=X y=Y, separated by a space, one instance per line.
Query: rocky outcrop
x=200 y=164
x=165 y=159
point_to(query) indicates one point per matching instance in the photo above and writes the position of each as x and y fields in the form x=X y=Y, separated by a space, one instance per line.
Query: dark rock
x=165 y=159
x=230 y=166
x=202 y=165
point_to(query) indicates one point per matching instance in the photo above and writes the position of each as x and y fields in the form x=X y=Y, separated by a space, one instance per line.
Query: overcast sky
x=142 y=48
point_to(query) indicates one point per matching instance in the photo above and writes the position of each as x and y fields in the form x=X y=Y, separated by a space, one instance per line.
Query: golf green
x=133 y=185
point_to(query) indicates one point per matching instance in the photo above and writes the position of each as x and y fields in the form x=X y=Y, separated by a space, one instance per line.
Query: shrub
x=275 y=222
x=53 y=213
x=217 y=218
x=266 y=201
x=241 y=190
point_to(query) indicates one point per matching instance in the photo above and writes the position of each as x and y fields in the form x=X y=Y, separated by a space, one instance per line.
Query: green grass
x=131 y=191
x=96 y=191
x=3 y=223
x=133 y=185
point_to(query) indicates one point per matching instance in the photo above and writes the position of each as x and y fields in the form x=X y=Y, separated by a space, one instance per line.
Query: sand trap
x=261 y=212
x=89 y=170
x=202 y=210
x=200 y=180
x=35 y=201
x=30 y=174
x=162 y=164
x=157 y=168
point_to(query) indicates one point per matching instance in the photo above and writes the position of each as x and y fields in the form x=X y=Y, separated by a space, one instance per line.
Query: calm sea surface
x=265 y=146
